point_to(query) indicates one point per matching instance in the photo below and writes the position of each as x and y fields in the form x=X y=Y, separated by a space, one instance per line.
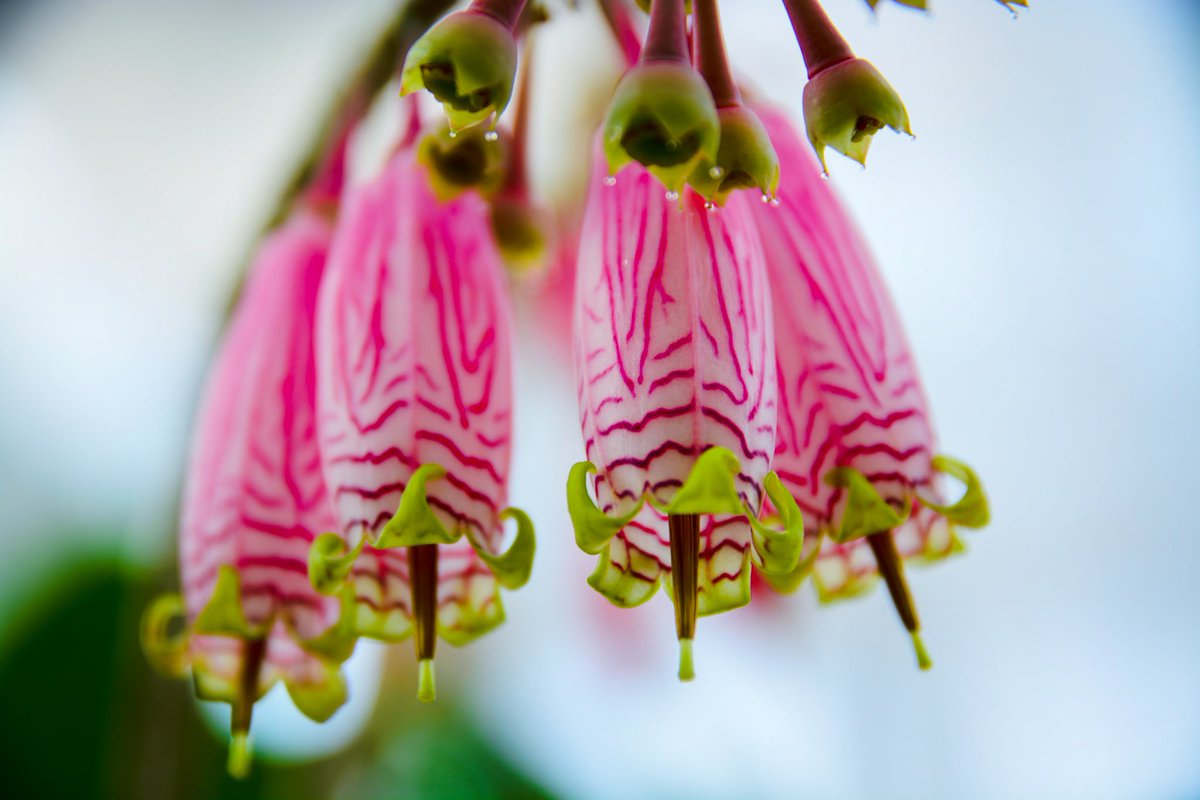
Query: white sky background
x=1041 y=240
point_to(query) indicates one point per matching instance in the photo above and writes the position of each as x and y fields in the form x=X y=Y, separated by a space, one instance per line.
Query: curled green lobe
x=972 y=510
x=865 y=512
x=593 y=528
x=468 y=61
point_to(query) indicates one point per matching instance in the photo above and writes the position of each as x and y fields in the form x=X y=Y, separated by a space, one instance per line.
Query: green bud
x=468 y=62
x=846 y=104
x=746 y=158
x=457 y=162
x=520 y=233
x=663 y=117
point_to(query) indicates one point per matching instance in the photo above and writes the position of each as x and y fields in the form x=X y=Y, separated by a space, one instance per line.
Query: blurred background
x=1040 y=236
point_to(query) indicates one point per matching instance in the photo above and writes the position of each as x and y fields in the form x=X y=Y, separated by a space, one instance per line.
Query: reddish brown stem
x=666 y=40
x=820 y=42
x=507 y=12
x=711 y=58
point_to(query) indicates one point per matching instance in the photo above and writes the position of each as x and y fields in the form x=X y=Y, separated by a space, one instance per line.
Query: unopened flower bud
x=846 y=104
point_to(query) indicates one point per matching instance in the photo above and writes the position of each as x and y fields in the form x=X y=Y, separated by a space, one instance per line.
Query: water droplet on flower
x=672 y=196
x=610 y=180
x=491 y=136
x=775 y=202
x=708 y=204
x=715 y=173
x=453 y=134
x=766 y=199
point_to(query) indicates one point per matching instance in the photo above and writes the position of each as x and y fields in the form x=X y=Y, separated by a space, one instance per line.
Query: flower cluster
x=747 y=399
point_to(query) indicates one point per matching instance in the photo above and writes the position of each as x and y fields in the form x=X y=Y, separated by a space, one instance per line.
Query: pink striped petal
x=849 y=392
x=414 y=357
x=673 y=338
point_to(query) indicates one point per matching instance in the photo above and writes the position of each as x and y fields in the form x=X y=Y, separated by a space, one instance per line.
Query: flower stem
x=507 y=12
x=685 y=578
x=666 y=40
x=820 y=42
x=620 y=22
x=711 y=59
x=423 y=576
x=516 y=179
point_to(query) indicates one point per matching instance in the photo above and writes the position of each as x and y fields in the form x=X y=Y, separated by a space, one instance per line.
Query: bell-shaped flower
x=673 y=340
x=468 y=61
x=254 y=500
x=415 y=415
x=855 y=443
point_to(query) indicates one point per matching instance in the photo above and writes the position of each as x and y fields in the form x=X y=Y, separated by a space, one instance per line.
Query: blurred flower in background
x=1046 y=268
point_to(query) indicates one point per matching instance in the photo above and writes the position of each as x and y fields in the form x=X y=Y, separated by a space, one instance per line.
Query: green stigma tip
x=239 y=755
x=687 y=669
x=923 y=659
x=426 y=691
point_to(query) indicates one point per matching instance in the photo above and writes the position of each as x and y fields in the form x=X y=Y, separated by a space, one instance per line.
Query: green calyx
x=520 y=234
x=662 y=116
x=971 y=511
x=468 y=61
x=866 y=512
x=471 y=159
x=846 y=104
x=746 y=158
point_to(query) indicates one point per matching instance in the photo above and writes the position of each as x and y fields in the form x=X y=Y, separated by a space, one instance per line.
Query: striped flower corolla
x=854 y=444
x=673 y=352
x=415 y=416
x=254 y=499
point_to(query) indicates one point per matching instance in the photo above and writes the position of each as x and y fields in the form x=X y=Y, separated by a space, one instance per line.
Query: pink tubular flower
x=415 y=415
x=673 y=342
x=854 y=444
x=253 y=502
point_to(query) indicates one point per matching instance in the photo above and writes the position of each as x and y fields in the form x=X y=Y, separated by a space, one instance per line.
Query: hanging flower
x=854 y=443
x=415 y=415
x=254 y=500
x=673 y=343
